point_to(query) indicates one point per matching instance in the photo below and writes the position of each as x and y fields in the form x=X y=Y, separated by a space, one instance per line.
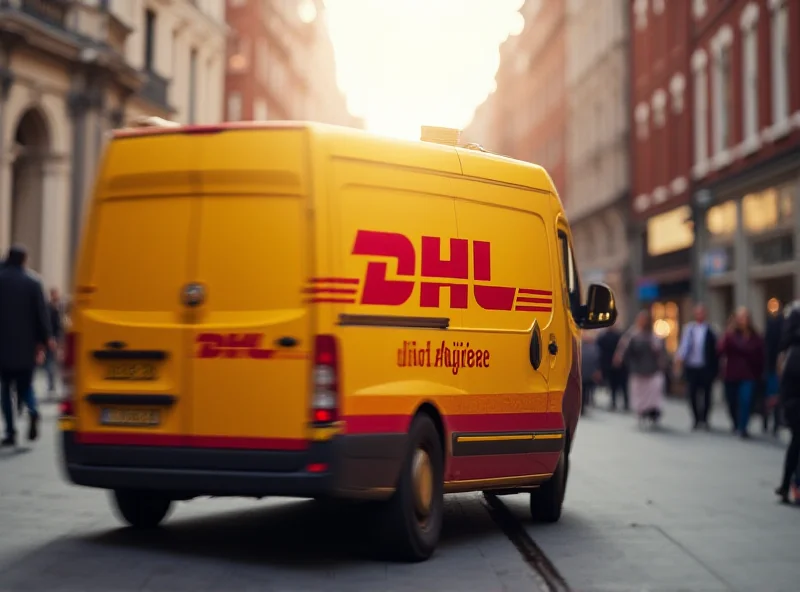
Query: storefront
x=747 y=250
x=664 y=286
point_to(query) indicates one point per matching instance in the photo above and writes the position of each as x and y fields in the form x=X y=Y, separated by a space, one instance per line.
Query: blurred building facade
x=69 y=73
x=661 y=161
x=598 y=174
x=281 y=63
x=746 y=146
x=526 y=117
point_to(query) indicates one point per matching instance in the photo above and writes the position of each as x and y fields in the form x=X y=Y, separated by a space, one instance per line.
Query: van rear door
x=251 y=334
x=137 y=258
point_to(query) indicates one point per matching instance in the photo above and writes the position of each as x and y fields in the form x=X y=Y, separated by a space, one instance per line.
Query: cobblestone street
x=663 y=511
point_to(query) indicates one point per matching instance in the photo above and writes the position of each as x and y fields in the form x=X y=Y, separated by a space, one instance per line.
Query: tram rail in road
x=549 y=578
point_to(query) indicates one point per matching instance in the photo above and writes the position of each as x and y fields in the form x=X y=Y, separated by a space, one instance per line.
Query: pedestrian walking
x=24 y=335
x=743 y=351
x=772 y=344
x=645 y=356
x=790 y=397
x=590 y=370
x=697 y=357
x=56 y=311
x=615 y=378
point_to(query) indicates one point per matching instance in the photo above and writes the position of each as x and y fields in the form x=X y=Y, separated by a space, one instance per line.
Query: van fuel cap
x=194 y=294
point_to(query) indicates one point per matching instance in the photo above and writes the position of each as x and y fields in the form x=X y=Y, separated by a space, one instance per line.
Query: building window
x=193 y=86
x=721 y=220
x=641 y=114
x=699 y=63
x=699 y=8
x=659 y=107
x=670 y=232
x=640 y=9
x=149 y=39
x=235 y=106
x=780 y=63
x=677 y=85
x=748 y=23
x=721 y=46
x=260 y=111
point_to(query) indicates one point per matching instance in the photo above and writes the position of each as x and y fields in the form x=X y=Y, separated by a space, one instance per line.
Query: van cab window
x=571 y=278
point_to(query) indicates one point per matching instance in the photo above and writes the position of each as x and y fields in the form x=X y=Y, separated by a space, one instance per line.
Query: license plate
x=130 y=417
x=131 y=371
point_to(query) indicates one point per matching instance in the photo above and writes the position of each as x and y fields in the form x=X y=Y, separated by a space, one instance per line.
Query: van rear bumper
x=358 y=467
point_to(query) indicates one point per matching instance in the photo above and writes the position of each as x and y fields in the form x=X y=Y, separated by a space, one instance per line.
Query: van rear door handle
x=552 y=348
x=286 y=342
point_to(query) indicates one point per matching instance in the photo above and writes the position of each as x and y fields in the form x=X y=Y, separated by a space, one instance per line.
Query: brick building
x=281 y=63
x=746 y=149
x=262 y=81
x=661 y=160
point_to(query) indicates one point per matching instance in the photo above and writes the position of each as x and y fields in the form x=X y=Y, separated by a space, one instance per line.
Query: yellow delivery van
x=291 y=309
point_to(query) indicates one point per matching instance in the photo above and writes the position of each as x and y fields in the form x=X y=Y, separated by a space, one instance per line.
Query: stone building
x=69 y=73
x=597 y=142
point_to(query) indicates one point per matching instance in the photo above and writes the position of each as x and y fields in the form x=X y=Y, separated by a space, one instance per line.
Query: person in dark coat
x=697 y=354
x=615 y=378
x=24 y=335
x=772 y=343
x=790 y=395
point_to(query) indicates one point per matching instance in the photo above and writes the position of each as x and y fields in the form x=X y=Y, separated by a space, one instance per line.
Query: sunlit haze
x=418 y=62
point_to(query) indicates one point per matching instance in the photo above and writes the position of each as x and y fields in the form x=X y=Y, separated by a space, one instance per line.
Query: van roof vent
x=152 y=121
x=474 y=146
x=440 y=135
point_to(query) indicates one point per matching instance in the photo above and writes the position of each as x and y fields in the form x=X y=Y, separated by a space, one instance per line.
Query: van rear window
x=141 y=253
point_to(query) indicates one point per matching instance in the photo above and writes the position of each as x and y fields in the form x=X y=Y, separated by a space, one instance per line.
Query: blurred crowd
x=759 y=375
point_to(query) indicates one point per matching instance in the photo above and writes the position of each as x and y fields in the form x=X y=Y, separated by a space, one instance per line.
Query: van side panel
x=516 y=435
x=392 y=227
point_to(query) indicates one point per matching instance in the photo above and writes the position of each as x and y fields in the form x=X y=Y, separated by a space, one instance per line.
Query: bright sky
x=408 y=63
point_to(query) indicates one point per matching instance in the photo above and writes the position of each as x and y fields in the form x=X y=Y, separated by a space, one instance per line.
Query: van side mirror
x=600 y=310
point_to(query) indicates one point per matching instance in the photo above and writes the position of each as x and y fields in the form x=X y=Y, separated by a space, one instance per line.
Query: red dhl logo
x=239 y=345
x=437 y=274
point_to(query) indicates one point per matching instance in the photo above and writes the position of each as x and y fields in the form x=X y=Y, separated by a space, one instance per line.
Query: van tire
x=140 y=509
x=548 y=499
x=408 y=536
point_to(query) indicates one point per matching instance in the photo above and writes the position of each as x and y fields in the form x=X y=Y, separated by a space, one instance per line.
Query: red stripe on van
x=132 y=439
x=350 y=281
x=535 y=292
x=500 y=422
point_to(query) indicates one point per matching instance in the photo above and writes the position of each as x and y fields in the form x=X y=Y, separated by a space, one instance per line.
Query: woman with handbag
x=645 y=356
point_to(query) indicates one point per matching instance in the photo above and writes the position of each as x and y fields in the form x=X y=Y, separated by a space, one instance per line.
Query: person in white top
x=697 y=356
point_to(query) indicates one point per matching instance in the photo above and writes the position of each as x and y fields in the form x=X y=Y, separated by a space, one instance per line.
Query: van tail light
x=68 y=361
x=325 y=398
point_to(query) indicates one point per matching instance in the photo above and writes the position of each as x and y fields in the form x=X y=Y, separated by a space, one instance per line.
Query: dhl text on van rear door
x=251 y=329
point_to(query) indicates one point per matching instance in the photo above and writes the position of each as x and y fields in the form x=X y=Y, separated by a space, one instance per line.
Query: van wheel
x=548 y=499
x=140 y=509
x=413 y=516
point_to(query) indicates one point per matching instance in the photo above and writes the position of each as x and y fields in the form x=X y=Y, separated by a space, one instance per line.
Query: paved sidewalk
x=673 y=509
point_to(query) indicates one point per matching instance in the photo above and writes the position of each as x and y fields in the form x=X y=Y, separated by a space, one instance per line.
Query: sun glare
x=418 y=62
